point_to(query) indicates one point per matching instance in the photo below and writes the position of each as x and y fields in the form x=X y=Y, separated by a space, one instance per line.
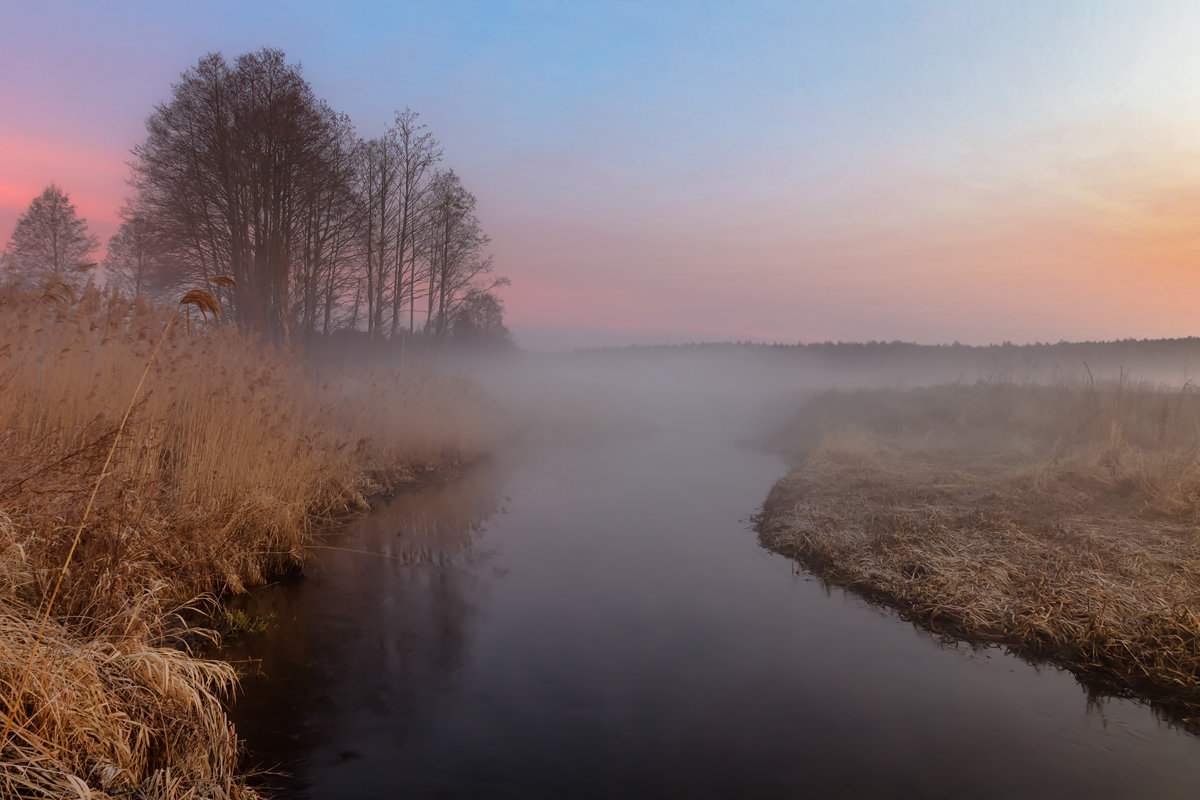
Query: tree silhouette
x=50 y=239
x=137 y=259
x=225 y=171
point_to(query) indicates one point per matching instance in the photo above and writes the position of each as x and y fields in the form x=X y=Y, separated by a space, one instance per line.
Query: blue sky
x=673 y=171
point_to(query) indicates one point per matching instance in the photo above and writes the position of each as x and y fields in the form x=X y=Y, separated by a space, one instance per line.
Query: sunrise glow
x=779 y=172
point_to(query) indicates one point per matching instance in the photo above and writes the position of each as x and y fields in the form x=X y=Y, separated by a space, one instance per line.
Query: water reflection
x=356 y=646
x=618 y=632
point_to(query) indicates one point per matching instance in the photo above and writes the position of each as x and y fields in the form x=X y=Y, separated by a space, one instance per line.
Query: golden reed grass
x=1059 y=521
x=228 y=460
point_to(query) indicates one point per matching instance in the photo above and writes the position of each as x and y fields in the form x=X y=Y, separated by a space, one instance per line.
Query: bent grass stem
x=206 y=303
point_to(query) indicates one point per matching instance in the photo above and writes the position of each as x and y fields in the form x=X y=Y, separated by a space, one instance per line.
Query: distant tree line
x=245 y=173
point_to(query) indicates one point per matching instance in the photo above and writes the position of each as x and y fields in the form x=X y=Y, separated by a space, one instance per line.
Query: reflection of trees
x=363 y=648
x=432 y=525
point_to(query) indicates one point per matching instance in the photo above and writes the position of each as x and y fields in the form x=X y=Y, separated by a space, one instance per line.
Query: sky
x=666 y=171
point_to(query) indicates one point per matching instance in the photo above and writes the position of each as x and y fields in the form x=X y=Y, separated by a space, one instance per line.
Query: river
x=595 y=618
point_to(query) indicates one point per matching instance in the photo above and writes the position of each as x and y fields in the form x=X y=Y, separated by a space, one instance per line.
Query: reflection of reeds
x=433 y=526
x=1058 y=520
x=211 y=479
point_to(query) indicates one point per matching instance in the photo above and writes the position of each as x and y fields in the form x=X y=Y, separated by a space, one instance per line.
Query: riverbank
x=1058 y=521
x=231 y=458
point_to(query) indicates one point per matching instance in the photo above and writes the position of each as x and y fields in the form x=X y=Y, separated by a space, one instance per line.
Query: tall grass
x=1131 y=436
x=1060 y=521
x=231 y=457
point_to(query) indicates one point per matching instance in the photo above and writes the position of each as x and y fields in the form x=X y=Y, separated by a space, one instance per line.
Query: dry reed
x=1059 y=521
x=227 y=463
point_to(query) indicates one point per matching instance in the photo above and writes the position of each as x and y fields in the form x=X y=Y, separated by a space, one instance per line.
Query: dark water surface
x=599 y=621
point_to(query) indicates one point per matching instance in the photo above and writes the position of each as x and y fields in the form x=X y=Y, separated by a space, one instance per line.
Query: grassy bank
x=230 y=459
x=1059 y=521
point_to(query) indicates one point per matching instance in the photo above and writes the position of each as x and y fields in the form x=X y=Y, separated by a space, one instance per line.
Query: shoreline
x=217 y=477
x=1059 y=560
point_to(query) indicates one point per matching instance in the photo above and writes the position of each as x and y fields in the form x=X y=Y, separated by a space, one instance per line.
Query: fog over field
x=599 y=399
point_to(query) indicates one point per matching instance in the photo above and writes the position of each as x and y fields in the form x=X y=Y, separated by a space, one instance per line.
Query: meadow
x=126 y=514
x=1057 y=520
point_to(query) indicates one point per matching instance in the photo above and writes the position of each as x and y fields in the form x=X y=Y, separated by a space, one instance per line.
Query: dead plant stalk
x=206 y=303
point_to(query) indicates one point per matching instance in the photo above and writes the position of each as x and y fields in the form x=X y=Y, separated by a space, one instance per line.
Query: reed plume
x=142 y=478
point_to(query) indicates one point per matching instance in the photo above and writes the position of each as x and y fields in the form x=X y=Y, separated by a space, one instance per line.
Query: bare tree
x=137 y=258
x=223 y=173
x=479 y=321
x=395 y=173
x=458 y=266
x=329 y=220
x=245 y=173
x=50 y=238
x=417 y=154
x=378 y=169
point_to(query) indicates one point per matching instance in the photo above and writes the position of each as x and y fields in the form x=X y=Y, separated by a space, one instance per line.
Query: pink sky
x=925 y=173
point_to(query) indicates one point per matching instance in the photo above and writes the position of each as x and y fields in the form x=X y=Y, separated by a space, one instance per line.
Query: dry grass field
x=1062 y=522
x=232 y=456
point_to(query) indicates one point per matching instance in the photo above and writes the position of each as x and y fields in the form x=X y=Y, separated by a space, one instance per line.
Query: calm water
x=599 y=621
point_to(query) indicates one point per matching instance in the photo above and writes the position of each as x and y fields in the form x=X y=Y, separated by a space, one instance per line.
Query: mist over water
x=589 y=614
x=266 y=262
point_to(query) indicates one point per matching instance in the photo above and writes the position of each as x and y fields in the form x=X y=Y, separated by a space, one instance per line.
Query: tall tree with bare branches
x=458 y=265
x=50 y=238
x=136 y=257
x=245 y=173
x=223 y=173
x=417 y=155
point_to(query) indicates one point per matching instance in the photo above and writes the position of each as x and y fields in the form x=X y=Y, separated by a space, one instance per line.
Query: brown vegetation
x=1059 y=521
x=231 y=457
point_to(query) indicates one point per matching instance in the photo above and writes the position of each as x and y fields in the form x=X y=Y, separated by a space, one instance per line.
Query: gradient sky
x=683 y=171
